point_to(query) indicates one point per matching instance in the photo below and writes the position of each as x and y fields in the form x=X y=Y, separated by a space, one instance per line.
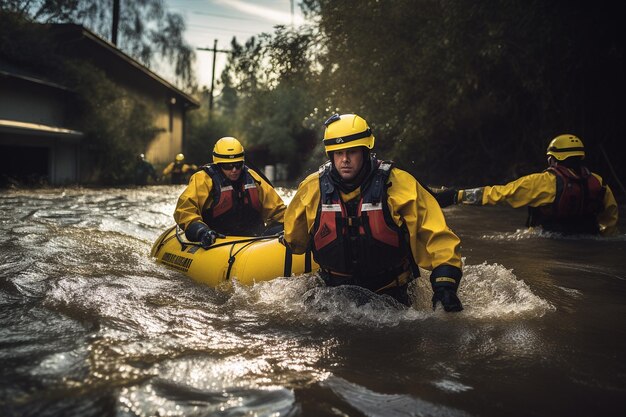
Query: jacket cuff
x=473 y=196
x=446 y=276
x=193 y=231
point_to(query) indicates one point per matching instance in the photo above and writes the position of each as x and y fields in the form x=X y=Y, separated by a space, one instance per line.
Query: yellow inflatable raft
x=246 y=259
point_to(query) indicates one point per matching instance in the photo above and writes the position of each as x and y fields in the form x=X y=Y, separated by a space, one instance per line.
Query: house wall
x=26 y=101
x=40 y=102
x=65 y=163
x=34 y=140
x=163 y=149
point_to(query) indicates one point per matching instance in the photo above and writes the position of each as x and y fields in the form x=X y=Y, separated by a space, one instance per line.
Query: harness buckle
x=354 y=221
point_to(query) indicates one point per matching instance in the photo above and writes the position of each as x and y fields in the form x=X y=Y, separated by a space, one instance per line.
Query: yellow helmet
x=227 y=149
x=347 y=131
x=180 y=157
x=564 y=146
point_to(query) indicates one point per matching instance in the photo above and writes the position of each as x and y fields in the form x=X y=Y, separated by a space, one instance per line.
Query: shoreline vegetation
x=447 y=107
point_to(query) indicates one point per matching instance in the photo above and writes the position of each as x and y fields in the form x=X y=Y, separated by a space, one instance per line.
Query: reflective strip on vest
x=331 y=207
x=371 y=206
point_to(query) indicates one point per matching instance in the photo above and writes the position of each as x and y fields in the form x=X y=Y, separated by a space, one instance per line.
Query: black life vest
x=359 y=239
x=177 y=173
x=579 y=199
x=236 y=208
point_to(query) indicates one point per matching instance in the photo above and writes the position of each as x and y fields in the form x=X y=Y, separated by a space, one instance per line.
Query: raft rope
x=217 y=245
x=288 y=262
x=163 y=240
x=231 y=259
x=249 y=240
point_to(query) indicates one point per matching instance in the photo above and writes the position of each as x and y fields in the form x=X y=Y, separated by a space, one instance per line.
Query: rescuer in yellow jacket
x=565 y=198
x=179 y=170
x=370 y=224
x=228 y=198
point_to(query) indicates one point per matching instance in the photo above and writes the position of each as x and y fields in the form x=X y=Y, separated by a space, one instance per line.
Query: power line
x=224 y=16
x=209 y=28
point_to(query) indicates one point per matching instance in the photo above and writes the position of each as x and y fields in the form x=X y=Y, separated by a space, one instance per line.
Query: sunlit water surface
x=90 y=325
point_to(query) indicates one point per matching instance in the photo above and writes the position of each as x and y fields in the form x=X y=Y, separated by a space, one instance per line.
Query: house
x=37 y=138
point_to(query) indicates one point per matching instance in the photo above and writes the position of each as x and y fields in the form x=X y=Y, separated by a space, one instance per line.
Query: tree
x=147 y=30
x=266 y=92
x=471 y=92
x=119 y=125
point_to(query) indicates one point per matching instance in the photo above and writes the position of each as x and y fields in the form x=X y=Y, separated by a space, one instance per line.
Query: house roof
x=14 y=126
x=81 y=42
x=8 y=72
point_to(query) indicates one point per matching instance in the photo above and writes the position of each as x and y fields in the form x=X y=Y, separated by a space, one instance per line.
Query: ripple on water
x=375 y=404
x=204 y=386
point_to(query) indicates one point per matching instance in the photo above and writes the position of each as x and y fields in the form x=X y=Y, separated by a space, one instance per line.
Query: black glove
x=208 y=237
x=447 y=297
x=281 y=238
x=447 y=197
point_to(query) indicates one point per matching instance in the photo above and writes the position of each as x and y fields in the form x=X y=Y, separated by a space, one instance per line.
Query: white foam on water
x=493 y=291
x=487 y=291
x=449 y=385
x=305 y=300
x=574 y=293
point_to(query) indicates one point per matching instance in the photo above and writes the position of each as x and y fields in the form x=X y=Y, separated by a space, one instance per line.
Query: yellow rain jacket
x=185 y=168
x=179 y=172
x=198 y=196
x=432 y=243
x=536 y=190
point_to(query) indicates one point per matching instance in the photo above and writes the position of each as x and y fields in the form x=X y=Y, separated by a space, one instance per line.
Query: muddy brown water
x=90 y=325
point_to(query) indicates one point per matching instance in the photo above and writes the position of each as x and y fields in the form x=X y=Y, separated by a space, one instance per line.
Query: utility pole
x=116 y=21
x=215 y=51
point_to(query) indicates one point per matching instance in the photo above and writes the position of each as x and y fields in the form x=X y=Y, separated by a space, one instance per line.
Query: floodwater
x=90 y=325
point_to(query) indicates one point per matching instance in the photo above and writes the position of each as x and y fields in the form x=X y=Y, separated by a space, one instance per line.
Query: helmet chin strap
x=552 y=161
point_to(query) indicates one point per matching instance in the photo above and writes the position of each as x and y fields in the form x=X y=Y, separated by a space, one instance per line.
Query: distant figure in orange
x=179 y=170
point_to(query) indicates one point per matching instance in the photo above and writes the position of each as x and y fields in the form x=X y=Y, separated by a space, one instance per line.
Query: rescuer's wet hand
x=447 y=197
x=208 y=237
x=448 y=299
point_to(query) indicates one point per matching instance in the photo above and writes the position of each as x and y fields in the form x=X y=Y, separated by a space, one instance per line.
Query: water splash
x=304 y=300
x=493 y=291
x=488 y=291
